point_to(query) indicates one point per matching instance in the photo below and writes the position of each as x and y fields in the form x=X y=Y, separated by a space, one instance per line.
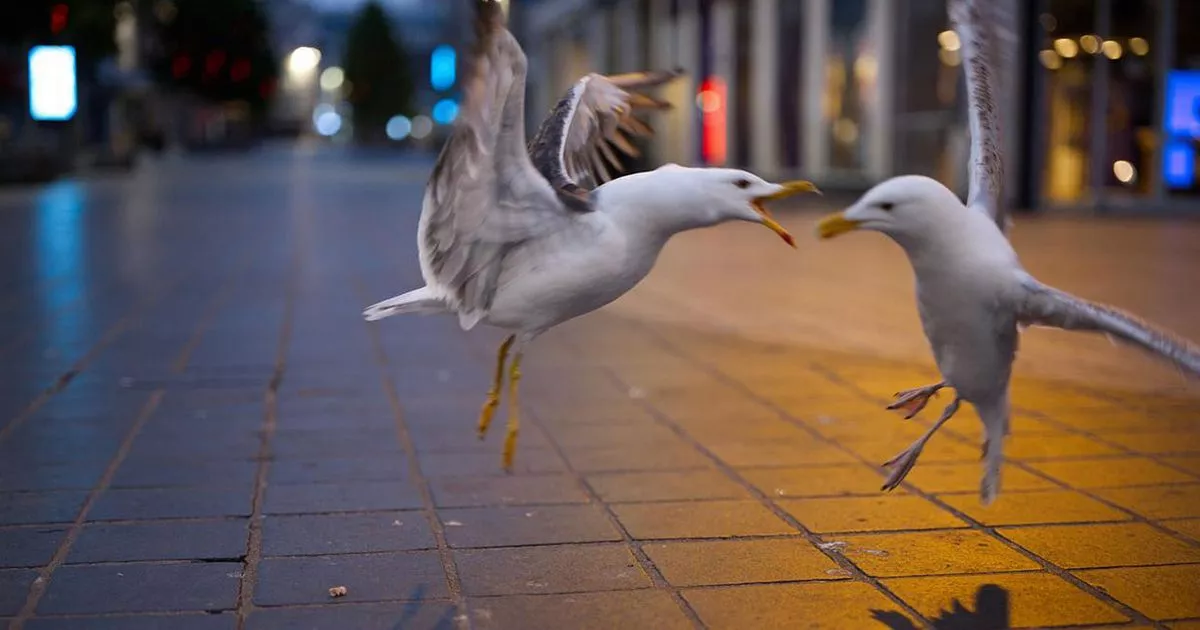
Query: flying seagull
x=973 y=296
x=525 y=238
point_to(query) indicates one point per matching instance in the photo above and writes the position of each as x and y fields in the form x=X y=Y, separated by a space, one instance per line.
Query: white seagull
x=973 y=296
x=511 y=236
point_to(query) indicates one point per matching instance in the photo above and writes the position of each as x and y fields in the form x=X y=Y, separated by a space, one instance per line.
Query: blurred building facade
x=849 y=92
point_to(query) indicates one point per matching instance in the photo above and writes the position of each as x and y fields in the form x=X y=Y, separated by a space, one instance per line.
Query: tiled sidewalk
x=200 y=433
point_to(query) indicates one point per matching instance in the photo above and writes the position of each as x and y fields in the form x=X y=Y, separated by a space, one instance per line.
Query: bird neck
x=653 y=206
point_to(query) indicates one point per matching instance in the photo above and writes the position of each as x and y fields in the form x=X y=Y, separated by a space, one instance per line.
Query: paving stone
x=863 y=514
x=27 y=508
x=237 y=476
x=938 y=451
x=580 y=611
x=699 y=519
x=14 y=587
x=665 y=486
x=1031 y=508
x=527 y=461
x=700 y=563
x=816 y=481
x=337 y=470
x=352 y=496
x=830 y=605
x=648 y=457
x=163 y=540
x=1040 y=447
x=29 y=546
x=130 y=503
x=1188 y=527
x=309 y=444
x=413 y=615
x=1190 y=463
x=1157 y=502
x=42 y=477
x=510 y=526
x=129 y=588
x=930 y=553
x=549 y=569
x=584 y=436
x=1103 y=545
x=189 y=621
x=375 y=577
x=325 y=534
x=240 y=447
x=462 y=438
x=1112 y=472
x=515 y=490
x=964 y=478
x=1019 y=600
x=1167 y=592
x=804 y=452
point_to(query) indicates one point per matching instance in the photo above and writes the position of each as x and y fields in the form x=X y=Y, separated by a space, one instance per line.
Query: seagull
x=973 y=296
x=524 y=238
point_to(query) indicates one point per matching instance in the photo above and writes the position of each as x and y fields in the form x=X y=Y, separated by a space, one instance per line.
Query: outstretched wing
x=484 y=196
x=1047 y=306
x=986 y=32
x=573 y=149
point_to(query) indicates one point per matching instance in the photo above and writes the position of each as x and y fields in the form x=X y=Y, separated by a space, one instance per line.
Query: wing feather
x=484 y=196
x=572 y=147
x=986 y=32
x=1047 y=306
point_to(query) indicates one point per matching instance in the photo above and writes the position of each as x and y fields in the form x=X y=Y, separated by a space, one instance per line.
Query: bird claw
x=912 y=401
x=903 y=462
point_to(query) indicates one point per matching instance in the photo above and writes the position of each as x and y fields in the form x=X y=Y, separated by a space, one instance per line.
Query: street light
x=303 y=60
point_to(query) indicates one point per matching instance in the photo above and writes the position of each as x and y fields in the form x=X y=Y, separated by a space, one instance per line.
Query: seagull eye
x=887 y=205
x=742 y=183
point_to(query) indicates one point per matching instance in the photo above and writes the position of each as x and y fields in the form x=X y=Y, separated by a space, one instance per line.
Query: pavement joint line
x=445 y=554
x=110 y=335
x=153 y=399
x=670 y=346
x=813 y=540
x=244 y=602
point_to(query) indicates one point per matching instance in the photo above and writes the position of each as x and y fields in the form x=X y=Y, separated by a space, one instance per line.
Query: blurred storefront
x=1102 y=115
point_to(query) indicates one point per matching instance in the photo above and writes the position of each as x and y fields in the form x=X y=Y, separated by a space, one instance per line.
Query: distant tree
x=219 y=50
x=377 y=73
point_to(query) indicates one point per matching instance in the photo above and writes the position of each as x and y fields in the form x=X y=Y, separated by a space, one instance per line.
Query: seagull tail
x=422 y=301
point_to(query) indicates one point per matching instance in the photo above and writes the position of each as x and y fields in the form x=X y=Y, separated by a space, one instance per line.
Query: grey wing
x=484 y=196
x=573 y=148
x=1047 y=306
x=986 y=31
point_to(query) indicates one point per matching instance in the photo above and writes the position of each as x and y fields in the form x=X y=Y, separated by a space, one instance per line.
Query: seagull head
x=715 y=195
x=909 y=209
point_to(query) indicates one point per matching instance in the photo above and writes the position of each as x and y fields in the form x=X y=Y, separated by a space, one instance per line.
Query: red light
x=711 y=101
x=180 y=66
x=58 y=18
x=214 y=61
x=266 y=88
x=240 y=70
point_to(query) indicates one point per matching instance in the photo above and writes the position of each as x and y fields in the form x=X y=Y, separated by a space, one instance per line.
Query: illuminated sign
x=1182 y=120
x=442 y=67
x=52 y=86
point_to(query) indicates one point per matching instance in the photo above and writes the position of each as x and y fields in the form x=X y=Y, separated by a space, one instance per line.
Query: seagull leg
x=914 y=400
x=905 y=460
x=493 y=396
x=514 y=410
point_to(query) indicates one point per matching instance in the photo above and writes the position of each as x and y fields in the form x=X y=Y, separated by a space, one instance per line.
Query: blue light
x=445 y=111
x=442 y=67
x=52 y=87
x=1179 y=165
x=328 y=123
x=398 y=127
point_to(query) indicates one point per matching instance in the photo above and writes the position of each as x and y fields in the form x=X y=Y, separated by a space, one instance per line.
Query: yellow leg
x=493 y=397
x=514 y=405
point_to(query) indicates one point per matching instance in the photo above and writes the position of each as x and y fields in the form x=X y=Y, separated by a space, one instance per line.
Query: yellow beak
x=836 y=224
x=789 y=189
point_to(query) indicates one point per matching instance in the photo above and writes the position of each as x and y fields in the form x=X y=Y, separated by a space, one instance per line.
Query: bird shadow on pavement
x=992 y=612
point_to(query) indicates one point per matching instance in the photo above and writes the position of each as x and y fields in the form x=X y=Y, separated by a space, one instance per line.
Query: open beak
x=787 y=190
x=836 y=224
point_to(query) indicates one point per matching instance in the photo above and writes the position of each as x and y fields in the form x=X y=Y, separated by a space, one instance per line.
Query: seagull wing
x=986 y=31
x=573 y=149
x=1041 y=305
x=484 y=196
